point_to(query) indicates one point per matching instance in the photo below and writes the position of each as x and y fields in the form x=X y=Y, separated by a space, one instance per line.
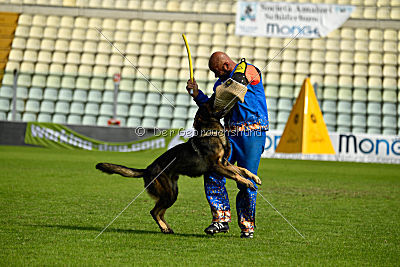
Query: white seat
x=67 y=22
x=50 y=33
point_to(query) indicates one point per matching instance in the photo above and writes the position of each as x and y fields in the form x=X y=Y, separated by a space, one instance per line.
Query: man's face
x=222 y=72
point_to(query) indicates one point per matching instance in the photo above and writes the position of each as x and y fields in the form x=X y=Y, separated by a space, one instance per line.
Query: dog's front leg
x=232 y=173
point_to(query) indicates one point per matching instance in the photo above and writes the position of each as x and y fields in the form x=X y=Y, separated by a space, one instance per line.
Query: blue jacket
x=252 y=114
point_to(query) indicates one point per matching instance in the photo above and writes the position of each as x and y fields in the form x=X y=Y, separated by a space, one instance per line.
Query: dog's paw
x=167 y=231
x=257 y=179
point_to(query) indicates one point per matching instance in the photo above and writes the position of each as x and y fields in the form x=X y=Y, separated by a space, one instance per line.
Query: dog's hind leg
x=156 y=213
x=167 y=192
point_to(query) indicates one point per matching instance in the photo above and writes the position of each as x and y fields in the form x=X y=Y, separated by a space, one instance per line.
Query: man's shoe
x=247 y=235
x=217 y=227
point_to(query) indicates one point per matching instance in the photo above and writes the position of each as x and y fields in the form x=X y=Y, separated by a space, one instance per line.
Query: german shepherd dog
x=206 y=152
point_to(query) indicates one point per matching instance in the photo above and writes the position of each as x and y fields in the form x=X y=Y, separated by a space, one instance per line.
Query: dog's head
x=206 y=114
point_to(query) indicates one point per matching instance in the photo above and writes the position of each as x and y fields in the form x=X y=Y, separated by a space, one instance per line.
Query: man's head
x=221 y=64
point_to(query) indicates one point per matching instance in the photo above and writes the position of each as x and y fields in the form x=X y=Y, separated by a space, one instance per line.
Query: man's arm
x=198 y=96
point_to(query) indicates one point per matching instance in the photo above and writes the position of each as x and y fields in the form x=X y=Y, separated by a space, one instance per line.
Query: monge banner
x=289 y=20
x=348 y=147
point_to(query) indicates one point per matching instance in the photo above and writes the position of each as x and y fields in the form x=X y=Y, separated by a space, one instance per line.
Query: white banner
x=286 y=20
x=348 y=147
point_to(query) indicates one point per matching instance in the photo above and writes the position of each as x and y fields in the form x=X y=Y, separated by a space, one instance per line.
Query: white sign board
x=348 y=147
x=289 y=20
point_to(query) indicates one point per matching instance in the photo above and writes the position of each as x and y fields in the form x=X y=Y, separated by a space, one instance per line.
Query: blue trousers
x=246 y=151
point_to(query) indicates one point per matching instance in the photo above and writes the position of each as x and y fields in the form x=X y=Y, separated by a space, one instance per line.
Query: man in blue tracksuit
x=249 y=123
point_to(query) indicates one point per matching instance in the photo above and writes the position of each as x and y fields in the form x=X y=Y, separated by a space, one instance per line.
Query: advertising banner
x=287 y=20
x=60 y=136
x=348 y=147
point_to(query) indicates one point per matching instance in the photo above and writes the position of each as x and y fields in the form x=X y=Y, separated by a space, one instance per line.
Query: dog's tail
x=121 y=170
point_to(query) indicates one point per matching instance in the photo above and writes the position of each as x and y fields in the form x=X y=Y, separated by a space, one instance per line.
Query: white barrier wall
x=348 y=147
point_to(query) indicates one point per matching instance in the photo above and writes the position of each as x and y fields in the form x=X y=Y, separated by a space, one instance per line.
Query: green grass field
x=54 y=203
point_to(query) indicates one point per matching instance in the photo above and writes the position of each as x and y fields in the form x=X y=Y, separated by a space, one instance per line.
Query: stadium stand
x=66 y=66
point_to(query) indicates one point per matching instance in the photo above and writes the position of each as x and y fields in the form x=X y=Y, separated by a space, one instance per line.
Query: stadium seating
x=67 y=67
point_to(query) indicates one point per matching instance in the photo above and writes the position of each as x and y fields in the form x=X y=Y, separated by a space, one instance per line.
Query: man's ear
x=225 y=66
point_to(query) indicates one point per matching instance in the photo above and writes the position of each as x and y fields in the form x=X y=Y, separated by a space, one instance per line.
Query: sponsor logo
x=356 y=144
x=274 y=28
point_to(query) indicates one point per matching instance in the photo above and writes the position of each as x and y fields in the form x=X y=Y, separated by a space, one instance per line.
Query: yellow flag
x=305 y=131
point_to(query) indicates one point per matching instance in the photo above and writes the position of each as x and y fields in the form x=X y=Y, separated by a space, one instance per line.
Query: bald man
x=247 y=124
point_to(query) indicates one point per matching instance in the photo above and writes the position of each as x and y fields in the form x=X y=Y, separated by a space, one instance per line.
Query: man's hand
x=192 y=88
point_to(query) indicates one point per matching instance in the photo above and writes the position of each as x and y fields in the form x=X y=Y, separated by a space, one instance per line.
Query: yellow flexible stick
x=190 y=59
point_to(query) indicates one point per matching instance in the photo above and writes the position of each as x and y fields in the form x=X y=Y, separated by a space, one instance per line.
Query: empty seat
x=122 y=110
x=62 y=107
x=344 y=120
x=106 y=109
x=79 y=95
x=32 y=106
x=59 y=118
x=150 y=111
x=329 y=106
x=47 y=106
x=44 y=117
x=389 y=122
x=180 y=112
x=178 y=123
x=344 y=107
x=389 y=109
x=27 y=117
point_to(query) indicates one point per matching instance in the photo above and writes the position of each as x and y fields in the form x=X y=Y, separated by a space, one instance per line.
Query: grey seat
x=124 y=97
x=122 y=110
x=359 y=107
x=80 y=95
x=343 y=129
x=18 y=116
x=102 y=120
x=344 y=107
x=178 y=123
x=374 y=130
x=272 y=103
x=182 y=100
x=389 y=122
x=27 y=116
x=357 y=129
x=59 y=118
x=284 y=104
x=139 y=98
x=136 y=110
x=374 y=108
x=133 y=122
x=92 y=109
x=153 y=99
x=168 y=99
x=374 y=121
x=148 y=123
x=389 y=109
x=94 y=96
x=272 y=116
x=74 y=119
x=77 y=108
x=180 y=113
x=65 y=94
x=150 y=111
x=89 y=120
x=22 y=92
x=5 y=104
x=329 y=106
x=32 y=106
x=390 y=131
x=47 y=106
x=62 y=107
x=163 y=123
x=106 y=109
x=283 y=116
x=359 y=121
x=44 y=117
x=344 y=120
x=330 y=119
x=3 y=116
x=6 y=91
x=165 y=111
x=108 y=97
x=50 y=94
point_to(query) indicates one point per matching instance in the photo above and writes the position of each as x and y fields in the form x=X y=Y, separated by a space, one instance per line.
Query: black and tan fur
x=201 y=154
